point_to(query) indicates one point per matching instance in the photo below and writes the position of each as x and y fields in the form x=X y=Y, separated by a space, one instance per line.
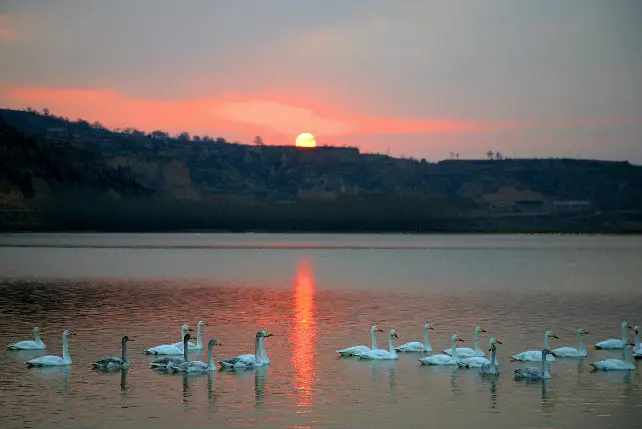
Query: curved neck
x=492 y=355
x=580 y=344
x=426 y=340
x=185 y=349
x=65 y=348
x=476 y=344
x=199 y=340
x=124 y=352
x=373 y=334
x=624 y=332
x=546 y=341
x=257 y=349
x=454 y=350
x=210 y=356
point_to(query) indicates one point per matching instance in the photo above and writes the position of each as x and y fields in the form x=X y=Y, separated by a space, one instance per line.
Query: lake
x=316 y=293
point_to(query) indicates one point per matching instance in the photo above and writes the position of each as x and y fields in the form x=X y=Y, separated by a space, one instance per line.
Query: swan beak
x=190 y=329
x=431 y=328
x=586 y=332
x=460 y=339
x=552 y=353
x=130 y=339
x=395 y=335
x=379 y=330
x=483 y=330
x=498 y=342
x=555 y=336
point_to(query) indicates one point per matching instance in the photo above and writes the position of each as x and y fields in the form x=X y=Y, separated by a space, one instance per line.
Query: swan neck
x=492 y=355
x=264 y=355
x=454 y=350
x=373 y=334
x=124 y=352
x=476 y=343
x=199 y=340
x=636 y=340
x=580 y=344
x=65 y=348
x=391 y=345
x=624 y=333
x=36 y=336
x=546 y=341
x=544 y=365
x=426 y=339
x=257 y=349
x=210 y=356
x=185 y=350
x=627 y=356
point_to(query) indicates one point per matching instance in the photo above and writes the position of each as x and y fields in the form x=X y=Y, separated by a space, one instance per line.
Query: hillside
x=211 y=183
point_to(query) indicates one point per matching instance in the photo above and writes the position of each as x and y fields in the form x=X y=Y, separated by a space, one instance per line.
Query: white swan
x=379 y=354
x=579 y=352
x=55 y=360
x=170 y=349
x=197 y=365
x=248 y=360
x=352 y=351
x=416 y=346
x=163 y=362
x=199 y=338
x=479 y=361
x=466 y=352
x=35 y=344
x=114 y=362
x=534 y=355
x=533 y=373
x=623 y=364
x=493 y=366
x=615 y=344
x=442 y=359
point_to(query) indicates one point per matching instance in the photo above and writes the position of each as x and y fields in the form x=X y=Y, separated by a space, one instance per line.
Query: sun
x=305 y=140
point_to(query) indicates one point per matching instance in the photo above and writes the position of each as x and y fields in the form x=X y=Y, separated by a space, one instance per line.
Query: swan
x=114 y=362
x=534 y=355
x=466 y=352
x=170 y=349
x=199 y=340
x=352 y=351
x=163 y=362
x=442 y=359
x=579 y=352
x=479 y=361
x=637 y=348
x=533 y=373
x=416 y=346
x=248 y=360
x=379 y=354
x=197 y=365
x=623 y=364
x=615 y=344
x=493 y=366
x=55 y=360
x=36 y=344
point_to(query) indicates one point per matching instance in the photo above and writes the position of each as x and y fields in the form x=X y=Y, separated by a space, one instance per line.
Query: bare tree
x=258 y=141
x=498 y=155
x=489 y=154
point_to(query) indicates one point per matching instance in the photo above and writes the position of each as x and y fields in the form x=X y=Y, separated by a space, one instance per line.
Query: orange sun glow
x=305 y=140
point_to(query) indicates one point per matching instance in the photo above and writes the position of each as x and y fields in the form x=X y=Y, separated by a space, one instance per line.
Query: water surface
x=316 y=293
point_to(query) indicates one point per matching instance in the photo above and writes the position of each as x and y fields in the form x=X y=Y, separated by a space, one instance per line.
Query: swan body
x=442 y=359
x=535 y=355
x=613 y=343
x=248 y=360
x=114 y=362
x=354 y=350
x=570 y=352
x=379 y=354
x=163 y=362
x=416 y=346
x=199 y=340
x=35 y=344
x=623 y=364
x=492 y=367
x=466 y=352
x=533 y=373
x=197 y=366
x=479 y=361
x=637 y=348
x=170 y=349
x=63 y=360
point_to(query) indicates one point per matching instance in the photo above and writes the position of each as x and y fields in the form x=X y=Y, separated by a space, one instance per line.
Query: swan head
x=187 y=337
x=428 y=326
x=456 y=338
x=36 y=330
x=375 y=329
x=479 y=329
x=213 y=342
x=201 y=324
x=551 y=334
x=186 y=328
x=67 y=333
x=393 y=333
x=626 y=325
x=583 y=331
x=548 y=352
x=264 y=334
x=126 y=338
x=636 y=329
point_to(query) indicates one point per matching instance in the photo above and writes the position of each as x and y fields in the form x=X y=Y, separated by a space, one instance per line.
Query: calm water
x=317 y=293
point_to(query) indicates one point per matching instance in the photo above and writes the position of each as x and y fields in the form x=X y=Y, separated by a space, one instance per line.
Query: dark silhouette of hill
x=165 y=183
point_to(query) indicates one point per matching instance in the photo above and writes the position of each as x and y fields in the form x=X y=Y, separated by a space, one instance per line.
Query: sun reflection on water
x=305 y=332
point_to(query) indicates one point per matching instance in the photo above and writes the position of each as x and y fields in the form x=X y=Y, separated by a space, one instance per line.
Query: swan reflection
x=304 y=336
x=123 y=378
x=260 y=376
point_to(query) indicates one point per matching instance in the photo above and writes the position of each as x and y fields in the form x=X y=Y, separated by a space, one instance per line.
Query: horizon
x=410 y=79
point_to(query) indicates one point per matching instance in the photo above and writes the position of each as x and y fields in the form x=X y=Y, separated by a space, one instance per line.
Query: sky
x=418 y=78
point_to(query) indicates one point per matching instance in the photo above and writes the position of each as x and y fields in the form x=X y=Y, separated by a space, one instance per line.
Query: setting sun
x=305 y=140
